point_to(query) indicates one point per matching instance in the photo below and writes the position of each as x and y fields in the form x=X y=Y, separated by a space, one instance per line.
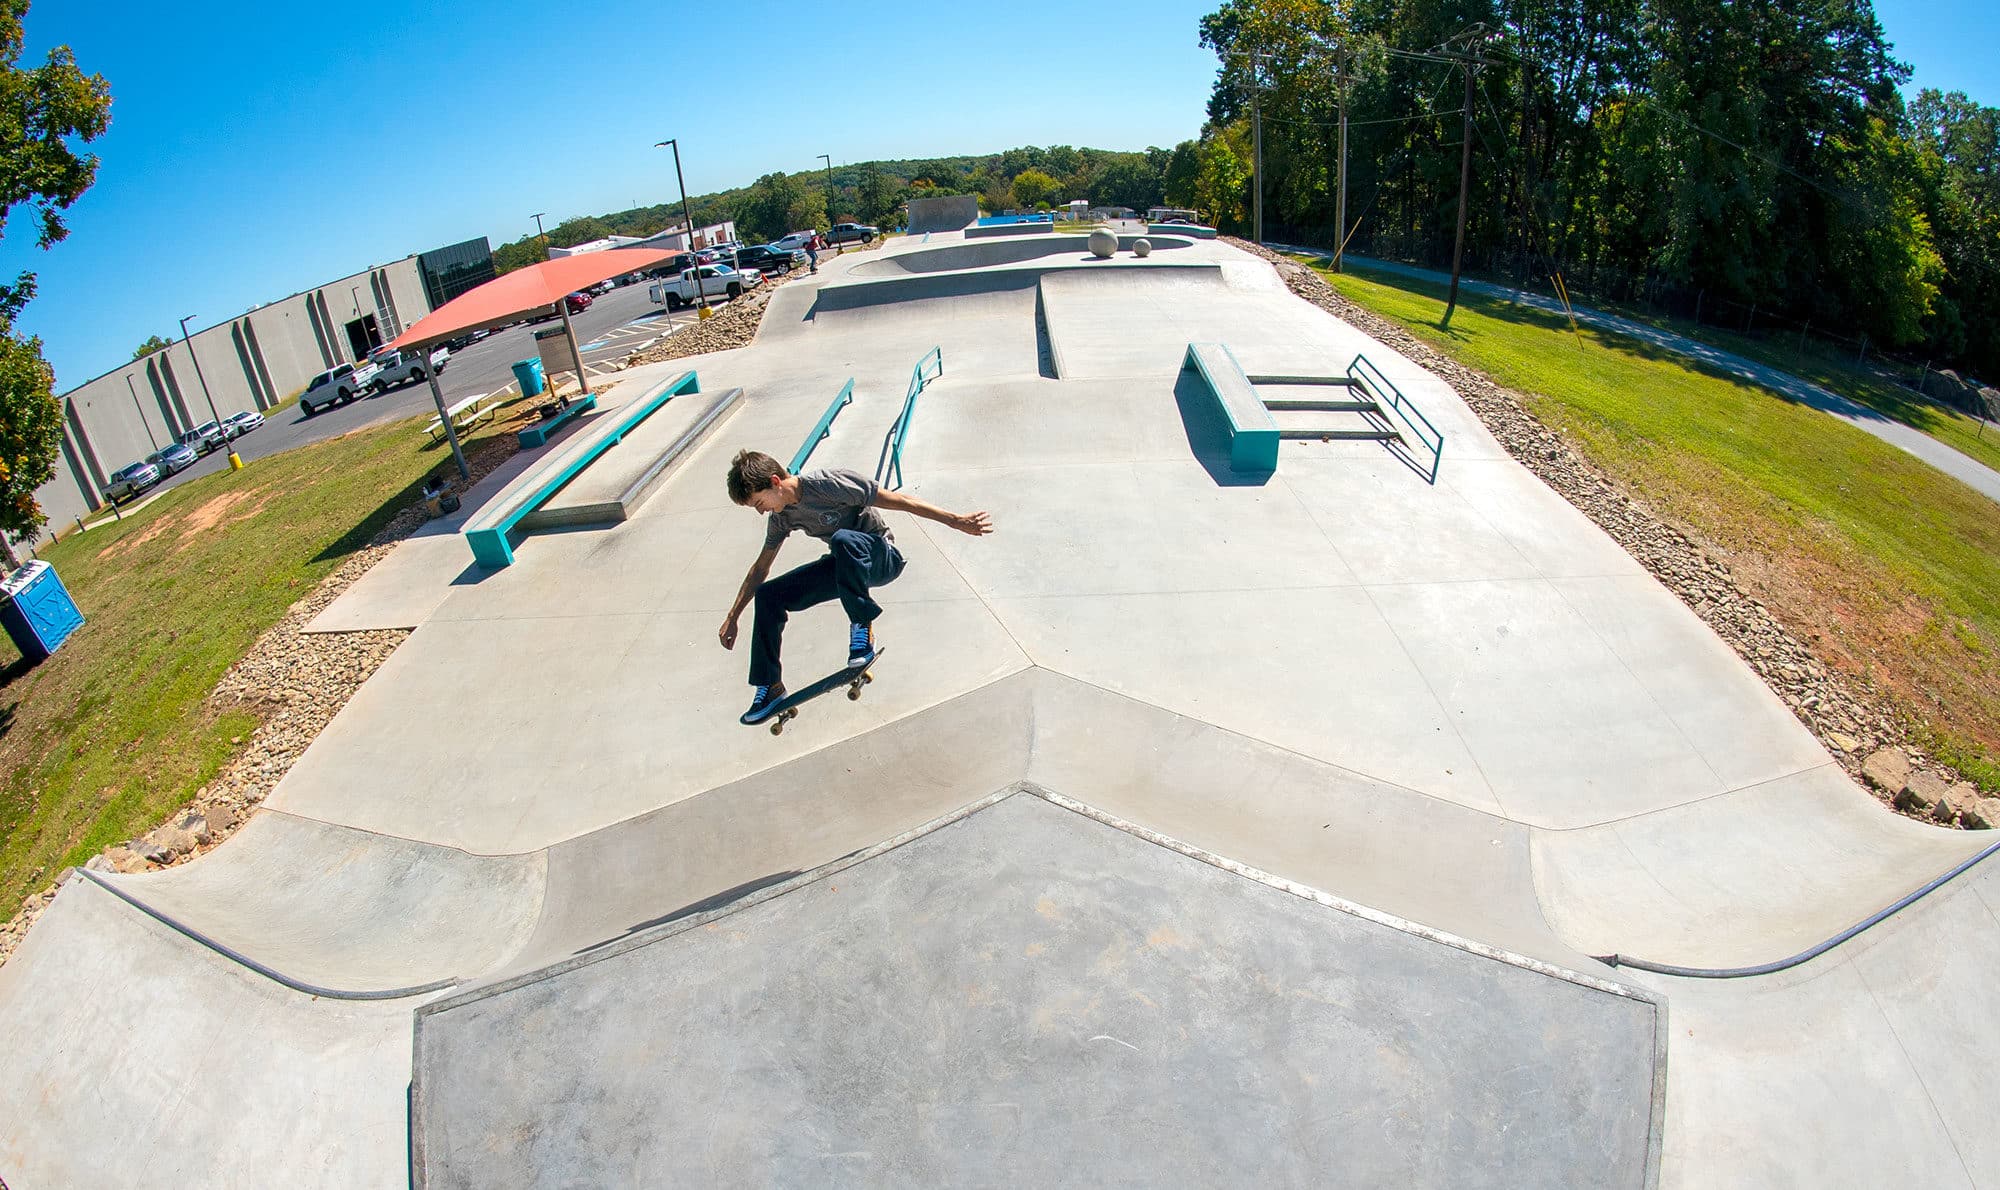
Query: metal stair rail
x=1369 y=379
x=824 y=426
x=891 y=462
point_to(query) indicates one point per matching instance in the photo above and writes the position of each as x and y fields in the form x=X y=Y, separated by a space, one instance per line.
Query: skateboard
x=787 y=708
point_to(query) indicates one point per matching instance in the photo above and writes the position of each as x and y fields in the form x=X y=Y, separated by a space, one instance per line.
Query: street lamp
x=829 y=199
x=235 y=463
x=540 y=234
x=141 y=411
x=700 y=290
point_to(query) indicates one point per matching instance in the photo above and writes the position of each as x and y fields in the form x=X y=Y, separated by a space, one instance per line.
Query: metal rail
x=820 y=431
x=890 y=464
x=1370 y=378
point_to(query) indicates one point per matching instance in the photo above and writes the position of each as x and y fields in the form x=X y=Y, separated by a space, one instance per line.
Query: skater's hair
x=752 y=471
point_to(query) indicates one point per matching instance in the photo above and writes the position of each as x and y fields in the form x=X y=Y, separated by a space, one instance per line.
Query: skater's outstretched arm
x=976 y=523
x=759 y=571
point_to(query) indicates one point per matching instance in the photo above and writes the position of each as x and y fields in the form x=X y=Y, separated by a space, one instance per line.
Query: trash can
x=529 y=373
x=37 y=611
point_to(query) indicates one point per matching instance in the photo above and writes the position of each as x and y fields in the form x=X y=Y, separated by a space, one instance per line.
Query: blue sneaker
x=860 y=645
x=761 y=701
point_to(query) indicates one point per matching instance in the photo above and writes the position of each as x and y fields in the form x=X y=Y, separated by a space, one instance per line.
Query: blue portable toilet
x=37 y=611
x=529 y=373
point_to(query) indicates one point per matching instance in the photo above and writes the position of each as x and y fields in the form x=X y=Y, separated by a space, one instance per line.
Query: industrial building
x=255 y=361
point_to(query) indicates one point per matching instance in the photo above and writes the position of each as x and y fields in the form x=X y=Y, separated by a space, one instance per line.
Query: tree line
x=876 y=192
x=1756 y=157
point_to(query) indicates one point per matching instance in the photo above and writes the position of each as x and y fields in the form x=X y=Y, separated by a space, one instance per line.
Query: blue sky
x=257 y=149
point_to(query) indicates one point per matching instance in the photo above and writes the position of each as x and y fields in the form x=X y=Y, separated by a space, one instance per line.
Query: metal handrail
x=1401 y=406
x=891 y=461
x=820 y=432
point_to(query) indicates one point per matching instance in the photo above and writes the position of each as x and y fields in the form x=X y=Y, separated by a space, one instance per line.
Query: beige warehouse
x=255 y=360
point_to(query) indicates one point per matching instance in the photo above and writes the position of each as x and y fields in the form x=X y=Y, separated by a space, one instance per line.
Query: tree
x=808 y=211
x=1222 y=178
x=45 y=113
x=1032 y=187
x=153 y=343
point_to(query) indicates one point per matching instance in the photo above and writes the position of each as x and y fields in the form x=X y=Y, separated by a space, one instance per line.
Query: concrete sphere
x=1103 y=243
x=1142 y=247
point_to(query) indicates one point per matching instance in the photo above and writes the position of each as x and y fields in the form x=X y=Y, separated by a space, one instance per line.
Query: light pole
x=141 y=411
x=700 y=290
x=541 y=237
x=837 y=249
x=235 y=462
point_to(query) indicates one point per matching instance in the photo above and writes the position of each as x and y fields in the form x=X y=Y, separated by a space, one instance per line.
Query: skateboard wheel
x=854 y=692
x=778 y=727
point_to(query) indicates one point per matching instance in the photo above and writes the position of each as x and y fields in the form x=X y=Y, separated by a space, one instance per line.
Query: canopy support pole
x=450 y=431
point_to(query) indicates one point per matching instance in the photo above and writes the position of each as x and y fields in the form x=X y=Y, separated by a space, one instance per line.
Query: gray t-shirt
x=828 y=502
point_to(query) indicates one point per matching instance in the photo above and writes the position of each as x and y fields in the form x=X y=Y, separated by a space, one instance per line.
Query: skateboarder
x=838 y=507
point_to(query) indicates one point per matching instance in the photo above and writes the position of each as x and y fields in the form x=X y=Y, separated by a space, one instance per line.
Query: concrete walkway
x=1955 y=463
x=1463 y=732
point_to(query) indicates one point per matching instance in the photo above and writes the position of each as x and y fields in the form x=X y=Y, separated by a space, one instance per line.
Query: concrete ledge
x=487 y=532
x=1253 y=436
x=614 y=486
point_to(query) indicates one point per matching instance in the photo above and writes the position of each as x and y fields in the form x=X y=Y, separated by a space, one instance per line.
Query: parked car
x=204 y=437
x=602 y=287
x=390 y=367
x=852 y=233
x=238 y=424
x=173 y=459
x=717 y=280
x=795 y=240
x=130 y=481
x=331 y=387
x=769 y=258
x=578 y=302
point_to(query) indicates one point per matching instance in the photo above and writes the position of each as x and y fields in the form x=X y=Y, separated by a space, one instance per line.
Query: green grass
x=1889 y=566
x=1838 y=372
x=113 y=733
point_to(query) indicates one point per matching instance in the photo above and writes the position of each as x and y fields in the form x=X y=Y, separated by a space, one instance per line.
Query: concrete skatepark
x=1201 y=825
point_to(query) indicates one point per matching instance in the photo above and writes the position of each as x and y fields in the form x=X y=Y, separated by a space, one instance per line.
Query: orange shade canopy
x=507 y=297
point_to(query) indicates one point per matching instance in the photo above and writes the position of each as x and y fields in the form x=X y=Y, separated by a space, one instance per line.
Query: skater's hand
x=976 y=523
x=727 y=633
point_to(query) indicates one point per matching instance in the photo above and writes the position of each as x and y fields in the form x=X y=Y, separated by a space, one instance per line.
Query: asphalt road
x=616 y=324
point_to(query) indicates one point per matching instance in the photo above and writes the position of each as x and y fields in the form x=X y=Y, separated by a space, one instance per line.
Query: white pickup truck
x=388 y=368
x=717 y=280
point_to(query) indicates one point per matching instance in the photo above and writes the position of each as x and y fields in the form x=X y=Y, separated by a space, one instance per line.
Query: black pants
x=857 y=562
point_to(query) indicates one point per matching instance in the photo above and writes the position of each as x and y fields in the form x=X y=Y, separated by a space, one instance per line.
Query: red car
x=578 y=302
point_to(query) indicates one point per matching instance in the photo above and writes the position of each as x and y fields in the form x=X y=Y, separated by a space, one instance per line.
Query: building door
x=363 y=336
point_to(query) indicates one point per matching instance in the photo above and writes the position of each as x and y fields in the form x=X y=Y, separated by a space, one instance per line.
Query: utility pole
x=700 y=289
x=141 y=410
x=1340 y=199
x=1464 y=188
x=1469 y=63
x=235 y=462
x=1256 y=151
x=838 y=248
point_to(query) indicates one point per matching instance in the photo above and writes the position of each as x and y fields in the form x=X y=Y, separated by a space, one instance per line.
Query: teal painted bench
x=539 y=433
x=487 y=532
x=1253 y=436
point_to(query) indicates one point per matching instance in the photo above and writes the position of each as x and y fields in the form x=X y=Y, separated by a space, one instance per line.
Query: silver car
x=130 y=481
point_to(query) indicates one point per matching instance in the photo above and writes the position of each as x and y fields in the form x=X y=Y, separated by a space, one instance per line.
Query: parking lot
x=617 y=324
